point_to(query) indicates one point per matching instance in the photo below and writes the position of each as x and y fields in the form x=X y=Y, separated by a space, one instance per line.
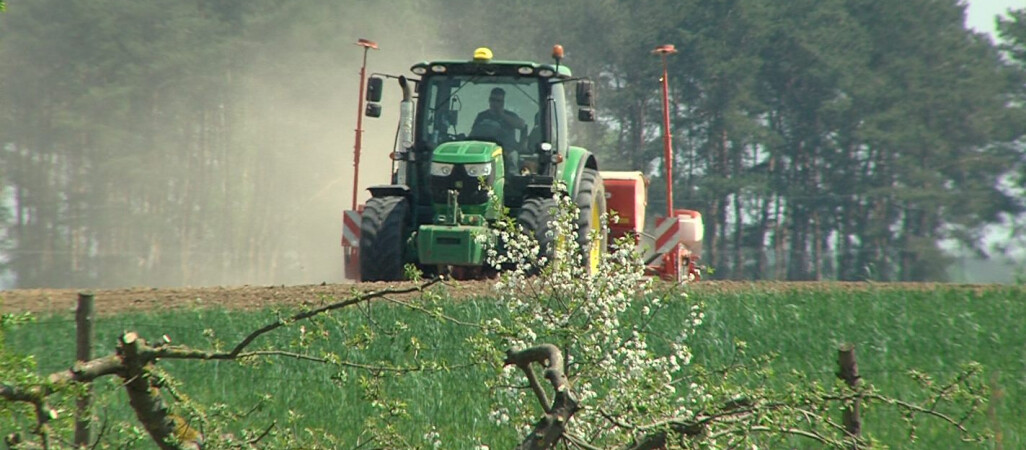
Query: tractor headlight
x=441 y=169
x=478 y=170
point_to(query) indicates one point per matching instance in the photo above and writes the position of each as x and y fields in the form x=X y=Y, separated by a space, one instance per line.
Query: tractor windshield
x=502 y=109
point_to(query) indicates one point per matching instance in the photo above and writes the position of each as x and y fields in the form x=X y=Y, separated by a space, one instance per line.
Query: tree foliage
x=190 y=143
x=1013 y=33
x=820 y=140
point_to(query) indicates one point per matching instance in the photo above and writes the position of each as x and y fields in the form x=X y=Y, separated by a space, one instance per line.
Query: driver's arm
x=513 y=120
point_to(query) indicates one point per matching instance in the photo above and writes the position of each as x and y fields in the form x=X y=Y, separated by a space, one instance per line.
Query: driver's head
x=497 y=100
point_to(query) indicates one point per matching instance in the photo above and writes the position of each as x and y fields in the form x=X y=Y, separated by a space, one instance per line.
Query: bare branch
x=133 y=363
x=793 y=431
x=266 y=432
x=549 y=429
x=428 y=312
x=579 y=442
x=314 y=312
x=169 y=431
x=921 y=410
x=532 y=380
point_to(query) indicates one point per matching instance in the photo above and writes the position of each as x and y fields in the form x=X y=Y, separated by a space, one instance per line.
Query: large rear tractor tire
x=535 y=217
x=382 y=238
x=591 y=200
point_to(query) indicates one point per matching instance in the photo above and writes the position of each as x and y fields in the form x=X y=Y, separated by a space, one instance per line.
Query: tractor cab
x=470 y=130
x=467 y=110
x=502 y=109
x=470 y=112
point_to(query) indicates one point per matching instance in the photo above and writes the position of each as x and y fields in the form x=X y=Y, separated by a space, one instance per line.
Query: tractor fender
x=389 y=190
x=577 y=159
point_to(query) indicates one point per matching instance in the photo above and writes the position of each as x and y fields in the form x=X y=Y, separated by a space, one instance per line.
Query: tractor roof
x=483 y=64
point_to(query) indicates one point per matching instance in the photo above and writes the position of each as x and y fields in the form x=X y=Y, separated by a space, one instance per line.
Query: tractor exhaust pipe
x=405 y=137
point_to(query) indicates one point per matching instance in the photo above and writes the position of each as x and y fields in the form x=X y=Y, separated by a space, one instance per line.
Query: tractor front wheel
x=382 y=238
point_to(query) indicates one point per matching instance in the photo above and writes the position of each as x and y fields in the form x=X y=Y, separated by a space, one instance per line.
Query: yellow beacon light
x=483 y=54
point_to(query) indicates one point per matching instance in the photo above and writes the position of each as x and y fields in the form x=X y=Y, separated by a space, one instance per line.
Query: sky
x=980 y=13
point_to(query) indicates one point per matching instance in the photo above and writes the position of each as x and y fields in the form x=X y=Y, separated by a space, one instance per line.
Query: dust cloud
x=279 y=192
x=309 y=95
x=323 y=162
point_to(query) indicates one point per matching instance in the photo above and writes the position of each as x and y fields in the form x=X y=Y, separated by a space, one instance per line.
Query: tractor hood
x=467 y=152
x=471 y=168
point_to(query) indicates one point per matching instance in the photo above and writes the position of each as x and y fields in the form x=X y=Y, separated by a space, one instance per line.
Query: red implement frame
x=350 y=252
x=678 y=263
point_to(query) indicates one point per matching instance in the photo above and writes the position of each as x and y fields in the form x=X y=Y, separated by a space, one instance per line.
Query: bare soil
x=114 y=301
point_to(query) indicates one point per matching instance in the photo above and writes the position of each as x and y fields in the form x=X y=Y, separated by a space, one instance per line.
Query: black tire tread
x=535 y=217
x=382 y=238
x=590 y=186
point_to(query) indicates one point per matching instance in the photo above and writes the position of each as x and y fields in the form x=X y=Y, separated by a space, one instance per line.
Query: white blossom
x=614 y=367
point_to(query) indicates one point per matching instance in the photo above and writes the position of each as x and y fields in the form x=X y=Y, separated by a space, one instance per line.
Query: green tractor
x=472 y=132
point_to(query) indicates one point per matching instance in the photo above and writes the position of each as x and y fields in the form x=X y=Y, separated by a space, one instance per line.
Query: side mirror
x=586 y=114
x=374 y=85
x=373 y=110
x=586 y=93
x=453 y=118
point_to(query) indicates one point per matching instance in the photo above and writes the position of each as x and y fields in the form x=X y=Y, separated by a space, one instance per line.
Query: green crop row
x=895 y=330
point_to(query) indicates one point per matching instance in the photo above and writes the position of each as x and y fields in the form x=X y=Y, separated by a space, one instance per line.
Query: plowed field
x=114 y=301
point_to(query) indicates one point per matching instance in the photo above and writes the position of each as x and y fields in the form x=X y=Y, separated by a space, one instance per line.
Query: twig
x=257 y=439
x=314 y=312
x=352 y=365
x=794 y=431
x=920 y=410
x=432 y=313
x=579 y=441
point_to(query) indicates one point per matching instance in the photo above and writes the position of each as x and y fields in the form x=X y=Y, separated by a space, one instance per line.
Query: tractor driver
x=508 y=122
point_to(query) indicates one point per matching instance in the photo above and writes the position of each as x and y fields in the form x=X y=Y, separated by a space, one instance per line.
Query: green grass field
x=894 y=330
